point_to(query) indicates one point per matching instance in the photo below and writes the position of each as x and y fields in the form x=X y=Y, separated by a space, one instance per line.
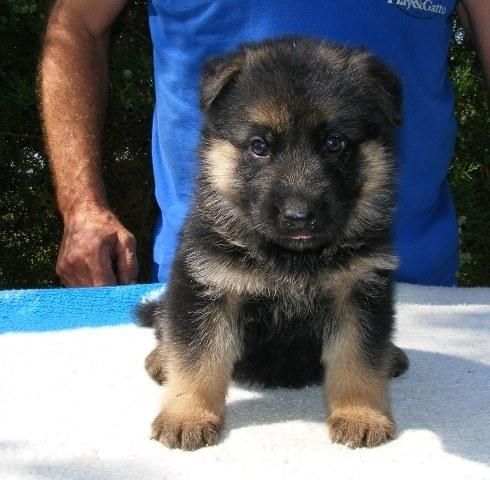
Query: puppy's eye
x=259 y=147
x=334 y=144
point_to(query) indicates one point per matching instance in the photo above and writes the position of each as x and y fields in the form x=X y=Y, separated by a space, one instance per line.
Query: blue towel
x=64 y=308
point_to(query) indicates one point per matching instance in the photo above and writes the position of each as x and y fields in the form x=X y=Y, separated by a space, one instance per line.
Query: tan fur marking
x=350 y=382
x=220 y=159
x=357 y=396
x=271 y=114
x=225 y=275
x=222 y=274
x=194 y=404
x=360 y=269
x=194 y=397
x=377 y=171
x=357 y=427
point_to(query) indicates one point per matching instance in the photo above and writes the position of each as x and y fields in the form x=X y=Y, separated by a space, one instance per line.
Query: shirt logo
x=419 y=8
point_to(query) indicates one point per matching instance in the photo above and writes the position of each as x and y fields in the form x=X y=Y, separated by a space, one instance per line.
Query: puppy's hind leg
x=155 y=364
x=399 y=363
x=149 y=314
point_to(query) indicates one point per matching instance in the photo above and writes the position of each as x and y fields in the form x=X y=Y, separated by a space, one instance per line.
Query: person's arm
x=73 y=81
x=475 y=18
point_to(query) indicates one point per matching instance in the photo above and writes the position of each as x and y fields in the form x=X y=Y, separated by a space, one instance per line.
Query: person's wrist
x=83 y=208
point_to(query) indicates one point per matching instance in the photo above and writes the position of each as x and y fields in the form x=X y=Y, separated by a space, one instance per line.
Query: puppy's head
x=297 y=138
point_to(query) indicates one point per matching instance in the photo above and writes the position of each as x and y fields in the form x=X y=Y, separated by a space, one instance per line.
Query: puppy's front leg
x=197 y=378
x=356 y=390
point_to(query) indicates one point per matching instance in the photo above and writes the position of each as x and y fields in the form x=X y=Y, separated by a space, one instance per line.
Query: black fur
x=146 y=314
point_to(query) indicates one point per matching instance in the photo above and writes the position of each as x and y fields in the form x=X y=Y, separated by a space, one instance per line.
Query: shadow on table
x=443 y=394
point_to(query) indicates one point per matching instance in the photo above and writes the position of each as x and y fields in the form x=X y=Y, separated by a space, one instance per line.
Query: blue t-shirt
x=410 y=35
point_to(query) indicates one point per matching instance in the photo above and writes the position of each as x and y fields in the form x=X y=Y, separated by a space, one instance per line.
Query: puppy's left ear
x=386 y=89
x=218 y=72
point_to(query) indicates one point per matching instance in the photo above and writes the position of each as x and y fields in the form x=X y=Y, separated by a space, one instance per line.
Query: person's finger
x=126 y=260
x=101 y=268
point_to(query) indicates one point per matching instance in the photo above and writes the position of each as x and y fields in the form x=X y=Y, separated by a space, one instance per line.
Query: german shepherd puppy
x=284 y=272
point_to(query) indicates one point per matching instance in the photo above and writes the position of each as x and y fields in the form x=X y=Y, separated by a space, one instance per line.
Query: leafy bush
x=470 y=171
x=30 y=228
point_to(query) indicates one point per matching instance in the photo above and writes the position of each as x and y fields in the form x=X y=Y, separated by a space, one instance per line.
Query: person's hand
x=96 y=249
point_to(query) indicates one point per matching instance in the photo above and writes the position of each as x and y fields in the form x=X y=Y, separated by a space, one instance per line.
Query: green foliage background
x=30 y=228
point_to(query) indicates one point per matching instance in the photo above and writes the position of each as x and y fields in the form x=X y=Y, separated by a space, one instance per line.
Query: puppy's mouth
x=304 y=237
x=301 y=241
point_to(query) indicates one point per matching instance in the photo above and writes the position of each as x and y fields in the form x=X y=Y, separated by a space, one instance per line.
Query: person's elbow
x=89 y=20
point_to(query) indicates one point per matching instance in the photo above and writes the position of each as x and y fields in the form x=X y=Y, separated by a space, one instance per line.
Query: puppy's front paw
x=360 y=427
x=186 y=433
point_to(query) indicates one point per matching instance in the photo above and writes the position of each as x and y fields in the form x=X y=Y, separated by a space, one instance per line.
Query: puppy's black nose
x=296 y=215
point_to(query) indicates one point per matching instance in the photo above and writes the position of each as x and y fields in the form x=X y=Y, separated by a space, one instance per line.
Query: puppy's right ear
x=218 y=72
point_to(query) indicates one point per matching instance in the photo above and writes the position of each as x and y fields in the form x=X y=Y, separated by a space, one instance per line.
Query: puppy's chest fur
x=294 y=284
x=292 y=299
x=283 y=309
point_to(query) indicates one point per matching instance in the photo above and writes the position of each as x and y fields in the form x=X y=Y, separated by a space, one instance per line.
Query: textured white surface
x=77 y=405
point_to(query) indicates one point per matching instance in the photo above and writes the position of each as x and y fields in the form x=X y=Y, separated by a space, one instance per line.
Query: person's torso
x=412 y=36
